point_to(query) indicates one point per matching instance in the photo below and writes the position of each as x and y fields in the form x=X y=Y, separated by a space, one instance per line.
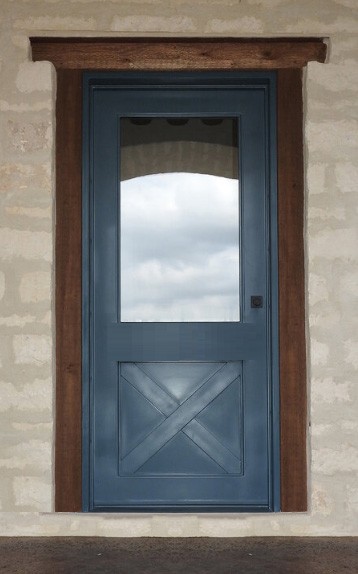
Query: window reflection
x=179 y=228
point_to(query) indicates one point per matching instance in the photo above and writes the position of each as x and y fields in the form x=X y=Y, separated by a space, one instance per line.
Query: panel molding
x=288 y=56
x=208 y=382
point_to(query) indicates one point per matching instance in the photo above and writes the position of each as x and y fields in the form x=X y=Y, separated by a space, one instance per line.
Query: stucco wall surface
x=27 y=96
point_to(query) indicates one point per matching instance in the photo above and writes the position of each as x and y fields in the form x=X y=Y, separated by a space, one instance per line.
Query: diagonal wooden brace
x=182 y=418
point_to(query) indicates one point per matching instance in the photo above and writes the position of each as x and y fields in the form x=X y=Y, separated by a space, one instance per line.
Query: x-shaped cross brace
x=181 y=417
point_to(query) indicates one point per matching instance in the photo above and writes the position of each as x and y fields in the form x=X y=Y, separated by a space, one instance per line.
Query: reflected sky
x=179 y=248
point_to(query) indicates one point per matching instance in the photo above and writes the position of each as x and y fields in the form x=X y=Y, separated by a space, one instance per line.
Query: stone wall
x=27 y=96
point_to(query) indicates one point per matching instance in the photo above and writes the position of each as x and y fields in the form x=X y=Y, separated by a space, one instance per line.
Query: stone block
x=2 y=284
x=35 y=287
x=32 y=492
x=27 y=137
x=347 y=177
x=27 y=244
x=33 y=455
x=327 y=390
x=34 y=76
x=244 y=25
x=148 y=23
x=32 y=349
x=32 y=396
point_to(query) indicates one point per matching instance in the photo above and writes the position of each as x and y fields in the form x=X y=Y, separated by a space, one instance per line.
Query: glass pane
x=179 y=219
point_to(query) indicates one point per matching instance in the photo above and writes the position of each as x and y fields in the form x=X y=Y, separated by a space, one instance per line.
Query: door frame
x=288 y=56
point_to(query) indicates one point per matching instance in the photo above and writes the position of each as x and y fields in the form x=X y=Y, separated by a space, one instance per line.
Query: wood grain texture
x=68 y=476
x=179 y=54
x=293 y=408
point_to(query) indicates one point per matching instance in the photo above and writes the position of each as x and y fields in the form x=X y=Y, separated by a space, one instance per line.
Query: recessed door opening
x=180 y=385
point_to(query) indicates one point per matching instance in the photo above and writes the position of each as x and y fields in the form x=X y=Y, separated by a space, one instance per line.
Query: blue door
x=180 y=288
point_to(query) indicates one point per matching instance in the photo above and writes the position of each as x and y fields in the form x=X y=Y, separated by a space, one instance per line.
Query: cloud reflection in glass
x=179 y=248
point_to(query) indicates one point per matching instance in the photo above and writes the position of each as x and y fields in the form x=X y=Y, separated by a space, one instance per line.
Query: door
x=180 y=366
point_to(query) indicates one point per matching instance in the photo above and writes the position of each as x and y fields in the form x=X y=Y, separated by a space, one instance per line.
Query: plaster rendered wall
x=26 y=256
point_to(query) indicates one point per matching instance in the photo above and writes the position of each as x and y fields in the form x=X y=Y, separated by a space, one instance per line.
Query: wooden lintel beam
x=178 y=54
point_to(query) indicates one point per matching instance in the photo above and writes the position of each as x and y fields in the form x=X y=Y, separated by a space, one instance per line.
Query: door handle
x=257 y=301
